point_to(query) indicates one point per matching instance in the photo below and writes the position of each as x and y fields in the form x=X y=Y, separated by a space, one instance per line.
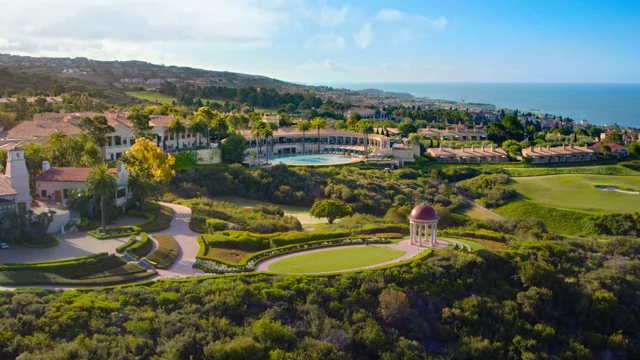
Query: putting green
x=579 y=193
x=336 y=259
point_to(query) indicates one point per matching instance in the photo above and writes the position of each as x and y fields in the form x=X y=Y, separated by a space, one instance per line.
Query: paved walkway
x=404 y=245
x=186 y=239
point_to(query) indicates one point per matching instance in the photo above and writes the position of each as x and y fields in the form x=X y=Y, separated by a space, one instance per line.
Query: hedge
x=41 y=278
x=142 y=247
x=149 y=217
x=132 y=240
x=215 y=225
x=162 y=219
x=51 y=242
x=57 y=264
x=51 y=262
x=116 y=232
x=166 y=253
x=248 y=241
x=126 y=269
x=477 y=234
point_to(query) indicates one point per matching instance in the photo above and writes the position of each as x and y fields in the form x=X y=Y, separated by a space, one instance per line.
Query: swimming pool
x=313 y=159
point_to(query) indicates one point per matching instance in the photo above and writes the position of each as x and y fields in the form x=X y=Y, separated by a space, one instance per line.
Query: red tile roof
x=613 y=146
x=5 y=187
x=66 y=174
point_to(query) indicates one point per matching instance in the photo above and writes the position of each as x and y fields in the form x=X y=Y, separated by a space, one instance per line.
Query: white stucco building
x=14 y=183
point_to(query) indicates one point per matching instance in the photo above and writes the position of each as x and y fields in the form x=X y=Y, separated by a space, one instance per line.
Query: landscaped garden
x=336 y=259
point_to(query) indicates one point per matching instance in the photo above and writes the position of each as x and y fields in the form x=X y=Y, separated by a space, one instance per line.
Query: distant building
x=154 y=81
x=366 y=113
x=616 y=150
x=474 y=154
x=564 y=153
x=454 y=133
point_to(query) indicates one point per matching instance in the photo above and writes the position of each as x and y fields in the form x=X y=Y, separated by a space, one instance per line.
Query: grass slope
x=594 y=170
x=558 y=221
x=300 y=212
x=336 y=259
x=152 y=96
x=578 y=192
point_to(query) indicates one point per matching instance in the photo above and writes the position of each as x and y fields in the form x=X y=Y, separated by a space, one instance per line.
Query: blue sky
x=344 y=41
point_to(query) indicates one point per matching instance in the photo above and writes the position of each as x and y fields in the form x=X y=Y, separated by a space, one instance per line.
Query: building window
x=65 y=193
x=44 y=193
x=121 y=193
x=7 y=209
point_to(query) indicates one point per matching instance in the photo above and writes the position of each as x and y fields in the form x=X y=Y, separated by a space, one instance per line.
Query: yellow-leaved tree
x=150 y=170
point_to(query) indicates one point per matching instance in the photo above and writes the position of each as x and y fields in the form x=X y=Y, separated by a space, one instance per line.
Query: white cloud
x=364 y=37
x=393 y=15
x=331 y=17
x=5 y=43
x=321 y=65
x=326 y=42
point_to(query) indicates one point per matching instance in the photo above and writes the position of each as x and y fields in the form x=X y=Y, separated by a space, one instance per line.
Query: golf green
x=336 y=259
x=579 y=193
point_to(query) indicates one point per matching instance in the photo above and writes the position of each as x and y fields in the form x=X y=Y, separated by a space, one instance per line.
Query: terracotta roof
x=66 y=174
x=160 y=120
x=613 y=146
x=5 y=187
x=293 y=131
x=553 y=151
x=468 y=152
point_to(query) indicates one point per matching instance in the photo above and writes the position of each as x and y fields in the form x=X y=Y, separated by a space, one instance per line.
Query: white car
x=4 y=245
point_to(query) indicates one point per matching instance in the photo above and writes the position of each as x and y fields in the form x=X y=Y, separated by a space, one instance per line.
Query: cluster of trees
x=574 y=299
x=366 y=191
x=615 y=224
x=491 y=189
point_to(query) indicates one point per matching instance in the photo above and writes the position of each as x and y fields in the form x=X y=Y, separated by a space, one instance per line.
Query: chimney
x=531 y=149
x=482 y=147
x=46 y=166
x=548 y=147
x=564 y=146
x=571 y=146
x=493 y=148
x=440 y=146
x=472 y=148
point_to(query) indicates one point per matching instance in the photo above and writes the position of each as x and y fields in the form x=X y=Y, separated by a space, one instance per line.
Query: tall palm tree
x=304 y=126
x=318 y=123
x=365 y=127
x=177 y=127
x=198 y=126
x=219 y=124
x=271 y=129
x=205 y=115
x=102 y=182
x=258 y=129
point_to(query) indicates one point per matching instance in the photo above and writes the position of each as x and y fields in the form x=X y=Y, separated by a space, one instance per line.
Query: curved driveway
x=186 y=239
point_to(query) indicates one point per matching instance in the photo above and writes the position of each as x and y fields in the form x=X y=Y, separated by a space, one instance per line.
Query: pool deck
x=349 y=160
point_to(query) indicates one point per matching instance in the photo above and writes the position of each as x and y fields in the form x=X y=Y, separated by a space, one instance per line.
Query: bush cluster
x=141 y=248
x=615 y=224
x=491 y=189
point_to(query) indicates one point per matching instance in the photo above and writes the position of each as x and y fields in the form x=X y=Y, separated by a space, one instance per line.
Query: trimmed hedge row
x=132 y=240
x=161 y=221
x=166 y=253
x=22 y=278
x=477 y=234
x=248 y=241
x=116 y=232
x=51 y=242
x=126 y=269
x=51 y=262
x=142 y=247
x=57 y=264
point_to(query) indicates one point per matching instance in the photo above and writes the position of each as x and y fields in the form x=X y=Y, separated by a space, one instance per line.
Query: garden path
x=404 y=245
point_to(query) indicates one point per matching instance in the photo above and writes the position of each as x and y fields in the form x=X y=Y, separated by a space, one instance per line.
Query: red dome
x=423 y=212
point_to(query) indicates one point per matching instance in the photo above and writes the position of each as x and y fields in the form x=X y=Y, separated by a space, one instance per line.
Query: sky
x=332 y=41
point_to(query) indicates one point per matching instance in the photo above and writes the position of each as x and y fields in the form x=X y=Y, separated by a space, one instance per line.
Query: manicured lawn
x=152 y=96
x=475 y=214
x=565 y=222
x=336 y=259
x=300 y=212
x=578 y=192
x=594 y=170
x=472 y=244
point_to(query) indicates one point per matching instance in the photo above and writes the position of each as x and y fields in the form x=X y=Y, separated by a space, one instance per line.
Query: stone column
x=433 y=235
x=420 y=235
x=411 y=233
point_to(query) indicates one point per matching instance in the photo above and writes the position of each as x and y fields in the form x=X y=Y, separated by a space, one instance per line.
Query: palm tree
x=177 y=127
x=270 y=128
x=365 y=127
x=198 y=126
x=102 y=182
x=304 y=126
x=205 y=115
x=318 y=123
x=219 y=124
x=258 y=129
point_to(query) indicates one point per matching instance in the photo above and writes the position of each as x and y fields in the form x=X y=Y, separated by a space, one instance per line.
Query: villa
x=454 y=133
x=542 y=155
x=469 y=155
x=618 y=151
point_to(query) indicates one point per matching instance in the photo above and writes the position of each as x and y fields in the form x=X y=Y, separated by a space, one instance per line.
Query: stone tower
x=19 y=177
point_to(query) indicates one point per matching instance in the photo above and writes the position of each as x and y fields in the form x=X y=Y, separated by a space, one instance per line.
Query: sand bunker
x=615 y=188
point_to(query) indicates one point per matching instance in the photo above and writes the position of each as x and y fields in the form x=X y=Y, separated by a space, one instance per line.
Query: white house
x=14 y=184
x=54 y=182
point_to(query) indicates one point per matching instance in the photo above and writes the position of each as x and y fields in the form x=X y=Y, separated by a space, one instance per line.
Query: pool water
x=312 y=159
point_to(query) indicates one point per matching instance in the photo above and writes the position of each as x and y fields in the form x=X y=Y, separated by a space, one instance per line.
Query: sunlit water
x=315 y=159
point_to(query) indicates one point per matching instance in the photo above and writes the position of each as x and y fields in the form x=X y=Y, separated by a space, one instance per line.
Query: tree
x=303 y=127
x=177 y=127
x=415 y=138
x=152 y=169
x=365 y=126
x=330 y=209
x=219 y=124
x=270 y=128
x=203 y=119
x=407 y=127
x=102 y=183
x=258 y=129
x=139 y=121
x=233 y=149
x=512 y=147
x=7 y=120
x=318 y=123
x=634 y=148
x=614 y=138
x=97 y=128
x=394 y=306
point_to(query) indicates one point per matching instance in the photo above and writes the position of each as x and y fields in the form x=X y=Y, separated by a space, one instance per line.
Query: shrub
x=633 y=165
x=132 y=240
x=39 y=242
x=492 y=188
x=142 y=247
x=162 y=216
x=211 y=225
x=477 y=234
x=111 y=233
x=166 y=253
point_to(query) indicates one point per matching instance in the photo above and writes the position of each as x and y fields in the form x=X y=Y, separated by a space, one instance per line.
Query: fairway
x=336 y=259
x=152 y=96
x=578 y=192
x=300 y=212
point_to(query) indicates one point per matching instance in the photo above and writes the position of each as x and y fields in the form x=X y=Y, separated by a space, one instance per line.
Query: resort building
x=618 y=151
x=54 y=182
x=564 y=153
x=454 y=133
x=473 y=154
x=289 y=140
x=366 y=113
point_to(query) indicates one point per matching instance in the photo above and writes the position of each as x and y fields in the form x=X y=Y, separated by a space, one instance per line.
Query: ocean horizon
x=598 y=103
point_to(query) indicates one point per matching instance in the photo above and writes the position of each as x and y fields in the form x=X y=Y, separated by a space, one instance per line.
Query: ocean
x=598 y=103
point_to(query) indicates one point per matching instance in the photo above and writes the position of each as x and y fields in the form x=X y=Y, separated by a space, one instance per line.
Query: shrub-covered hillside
x=540 y=299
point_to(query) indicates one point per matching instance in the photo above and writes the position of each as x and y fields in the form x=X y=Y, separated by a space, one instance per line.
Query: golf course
x=579 y=192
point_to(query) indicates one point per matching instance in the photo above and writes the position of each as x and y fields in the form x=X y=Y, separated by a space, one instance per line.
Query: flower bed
x=111 y=233
x=247 y=264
